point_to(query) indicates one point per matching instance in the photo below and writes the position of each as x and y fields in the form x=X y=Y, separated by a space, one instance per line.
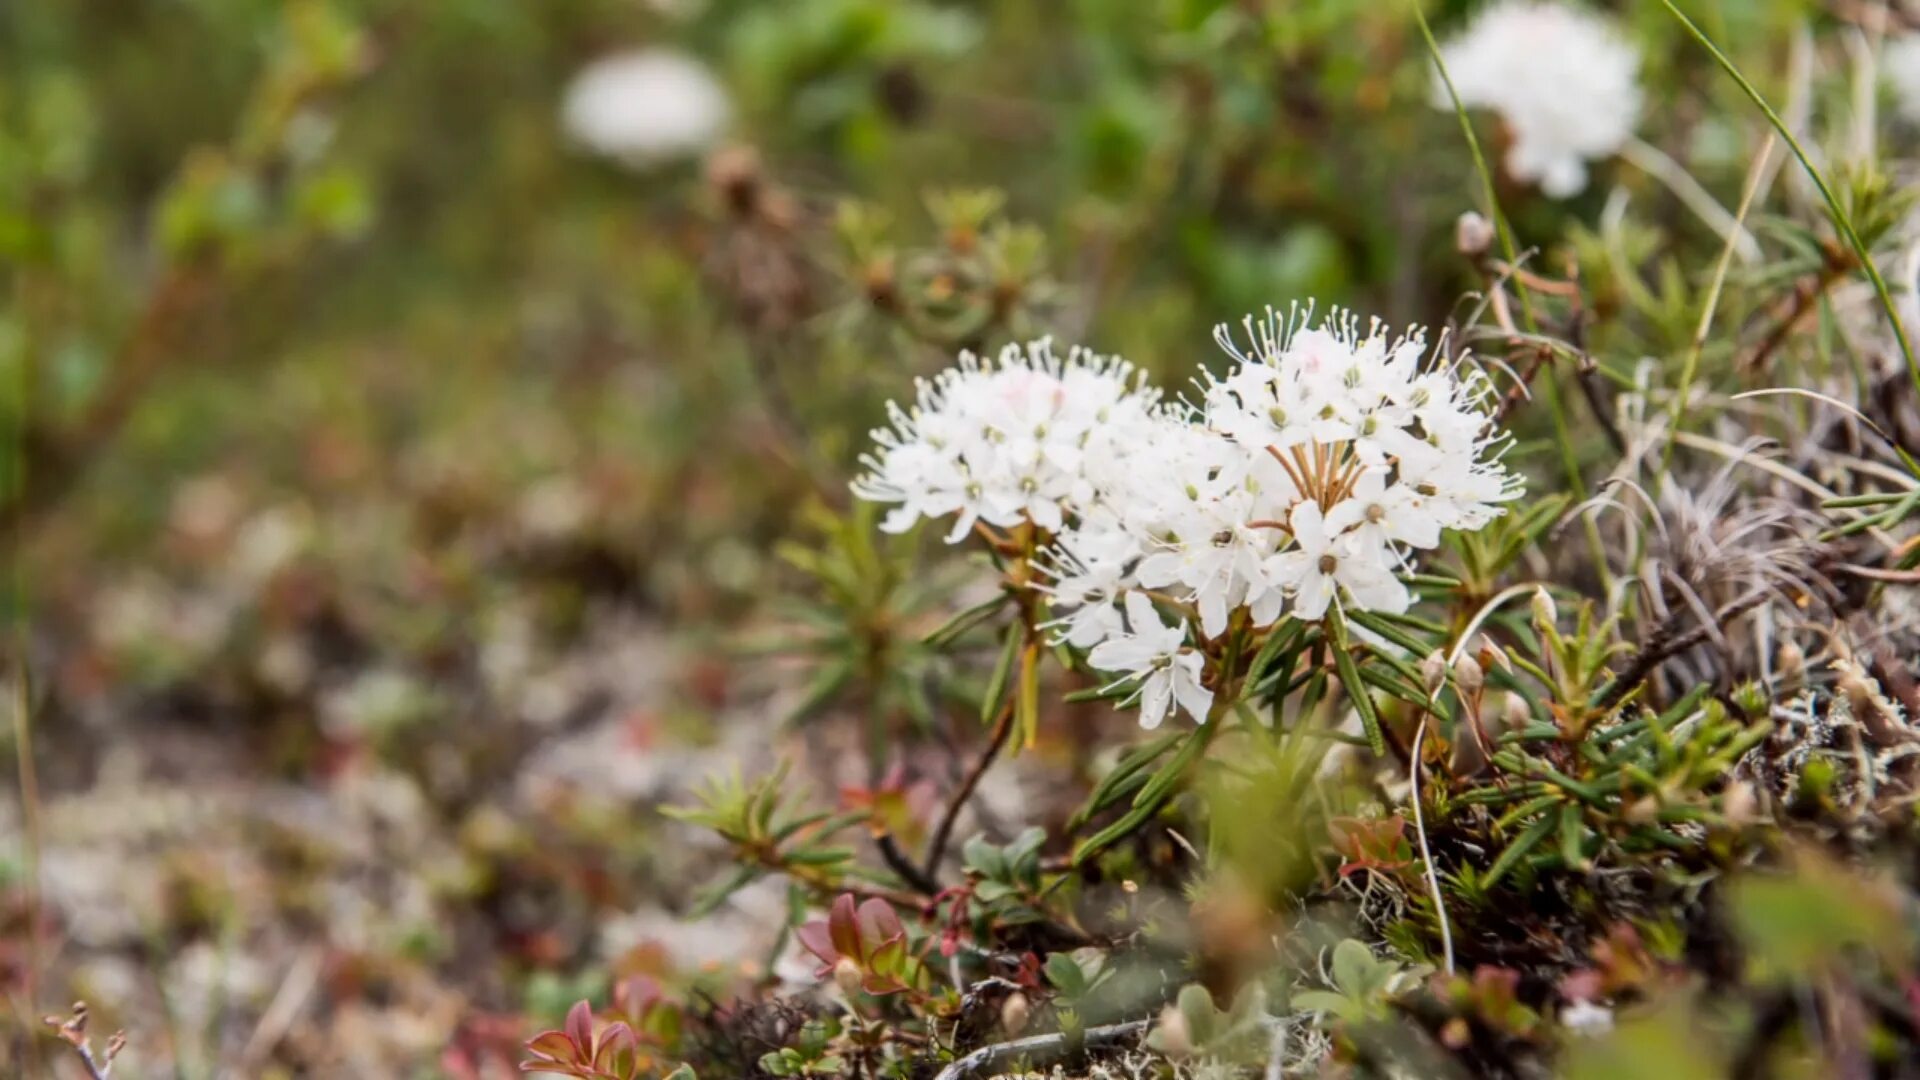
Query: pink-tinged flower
x=862 y=948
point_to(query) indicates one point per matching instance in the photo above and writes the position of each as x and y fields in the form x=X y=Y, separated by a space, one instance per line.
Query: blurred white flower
x=1900 y=66
x=1563 y=79
x=1586 y=1018
x=646 y=107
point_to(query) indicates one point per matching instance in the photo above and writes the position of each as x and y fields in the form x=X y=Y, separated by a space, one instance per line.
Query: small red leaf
x=843 y=924
x=879 y=923
x=580 y=1026
x=817 y=939
x=553 y=1045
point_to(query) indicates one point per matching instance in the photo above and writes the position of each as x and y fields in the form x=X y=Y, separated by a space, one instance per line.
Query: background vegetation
x=406 y=505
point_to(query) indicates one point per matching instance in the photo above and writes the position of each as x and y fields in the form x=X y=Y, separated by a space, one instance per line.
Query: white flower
x=1563 y=79
x=645 y=107
x=1088 y=576
x=1900 y=66
x=1587 y=1019
x=1154 y=654
x=1321 y=563
x=1380 y=515
x=1023 y=438
x=1307 y=475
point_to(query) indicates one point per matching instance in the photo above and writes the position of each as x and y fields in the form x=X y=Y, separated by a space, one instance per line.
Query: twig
x=1664 y=645
x=73 y=1032
x=94 y=1069
x=1875 y=573
x=1798 y=306
x=1040 y=1047
x=937 y=848
x=1601 y=413
x=898 y=862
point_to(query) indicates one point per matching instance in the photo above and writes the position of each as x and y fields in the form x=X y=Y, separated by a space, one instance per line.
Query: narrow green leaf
x=997 y=685
x=1526 y=842
x=1132 y=764
x=964 y=621
x=1572 y=836
x=1354 y=685
x=1277 y=639
x=820 y=693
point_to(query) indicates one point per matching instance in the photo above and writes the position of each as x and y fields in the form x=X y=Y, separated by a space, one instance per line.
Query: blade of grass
x=1839 y=214
x=1712 y=303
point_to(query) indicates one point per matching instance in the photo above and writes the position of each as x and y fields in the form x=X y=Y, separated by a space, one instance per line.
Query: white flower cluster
x=646 y=107
x=1026 y=437
x=1304 y=477
x=1563 y=79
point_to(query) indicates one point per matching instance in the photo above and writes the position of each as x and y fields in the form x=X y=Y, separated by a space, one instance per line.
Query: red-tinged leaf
x=817 y=938
x=580 y=1026
x=879 y=922
x=636 y=996
x=552 y=1045
x=617 y=1039
x=842 y=922
x=889 y=957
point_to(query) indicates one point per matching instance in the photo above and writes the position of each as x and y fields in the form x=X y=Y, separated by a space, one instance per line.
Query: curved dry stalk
x=1426 y=853
x=1712 y=303
x=1419 y=737
x=1655 y=162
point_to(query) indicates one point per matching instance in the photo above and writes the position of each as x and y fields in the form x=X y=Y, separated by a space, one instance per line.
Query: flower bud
x=1014 y=1013
x=1433 y=672
x=1516 y=714
x=1473 y=235
x=1468 y=676
x=1545 y=614
x=1175 y=1040
x=1467 y=757
x=847 y=974
x=1740 y=804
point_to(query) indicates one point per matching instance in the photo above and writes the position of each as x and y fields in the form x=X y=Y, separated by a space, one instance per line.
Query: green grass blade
x=1838 y=213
